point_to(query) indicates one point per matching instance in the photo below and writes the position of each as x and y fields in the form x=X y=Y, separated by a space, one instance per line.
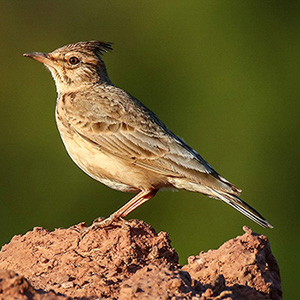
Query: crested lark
x=116 y=140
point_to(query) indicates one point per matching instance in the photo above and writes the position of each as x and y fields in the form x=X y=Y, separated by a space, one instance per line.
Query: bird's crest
x=98 y=47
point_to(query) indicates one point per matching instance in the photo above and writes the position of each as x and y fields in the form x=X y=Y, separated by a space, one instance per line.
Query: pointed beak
x=38 y=56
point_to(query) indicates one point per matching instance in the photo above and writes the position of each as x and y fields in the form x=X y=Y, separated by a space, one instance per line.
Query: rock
x=129 y=260
x=14 y=286
x=244 y=265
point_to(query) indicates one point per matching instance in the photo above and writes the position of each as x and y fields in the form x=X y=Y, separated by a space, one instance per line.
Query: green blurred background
x=224 y=75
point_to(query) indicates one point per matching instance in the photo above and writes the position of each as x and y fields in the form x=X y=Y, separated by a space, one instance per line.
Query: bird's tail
x=242 y=207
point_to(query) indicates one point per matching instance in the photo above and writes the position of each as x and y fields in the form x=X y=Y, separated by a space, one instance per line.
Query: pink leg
x=132 y=204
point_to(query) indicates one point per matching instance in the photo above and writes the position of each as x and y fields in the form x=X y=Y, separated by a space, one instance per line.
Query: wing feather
x=141 y=139
x=159 y=153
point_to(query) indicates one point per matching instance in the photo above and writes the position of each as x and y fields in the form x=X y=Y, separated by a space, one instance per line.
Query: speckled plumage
x=116 y=140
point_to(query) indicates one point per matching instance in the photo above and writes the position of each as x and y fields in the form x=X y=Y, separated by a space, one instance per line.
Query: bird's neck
x=75 y=88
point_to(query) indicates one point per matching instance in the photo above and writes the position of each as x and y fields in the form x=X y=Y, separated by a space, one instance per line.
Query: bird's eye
x=73 y=60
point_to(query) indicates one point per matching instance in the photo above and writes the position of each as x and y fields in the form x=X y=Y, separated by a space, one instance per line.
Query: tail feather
x=242 y=207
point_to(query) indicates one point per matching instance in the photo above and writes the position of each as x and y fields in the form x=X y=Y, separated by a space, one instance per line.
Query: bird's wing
x=140 y=138
x=157 y=152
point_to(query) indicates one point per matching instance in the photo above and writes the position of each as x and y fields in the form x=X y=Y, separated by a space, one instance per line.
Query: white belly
x=117 y=173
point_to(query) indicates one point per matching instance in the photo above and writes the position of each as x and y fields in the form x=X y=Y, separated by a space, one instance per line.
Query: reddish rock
x=246 y=264
x=129 y=260
x=14 y=286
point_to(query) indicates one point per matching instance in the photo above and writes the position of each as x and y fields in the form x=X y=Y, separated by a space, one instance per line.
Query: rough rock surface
x=129 y=260
x=246 y=264
x=14 y=286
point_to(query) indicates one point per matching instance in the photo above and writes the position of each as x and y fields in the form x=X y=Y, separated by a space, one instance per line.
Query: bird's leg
x=132 y=204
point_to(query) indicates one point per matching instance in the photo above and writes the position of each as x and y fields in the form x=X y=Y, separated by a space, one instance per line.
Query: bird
x=118 y=141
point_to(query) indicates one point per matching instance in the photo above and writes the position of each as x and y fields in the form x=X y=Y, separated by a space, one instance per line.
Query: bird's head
x=75 y=65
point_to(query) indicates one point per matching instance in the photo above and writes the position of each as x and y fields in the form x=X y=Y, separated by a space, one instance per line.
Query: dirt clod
x=129 y=260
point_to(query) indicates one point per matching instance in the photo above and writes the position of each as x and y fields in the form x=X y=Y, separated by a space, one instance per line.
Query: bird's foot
x=100 y=223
